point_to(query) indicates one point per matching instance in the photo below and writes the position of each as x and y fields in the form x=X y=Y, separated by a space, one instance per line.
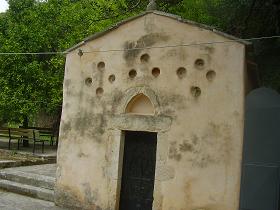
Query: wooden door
x=138 y=172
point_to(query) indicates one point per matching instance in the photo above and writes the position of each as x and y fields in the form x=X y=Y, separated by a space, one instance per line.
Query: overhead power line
x=31 y=53
x=143 y=48
x=31 y=102
x=183 y=45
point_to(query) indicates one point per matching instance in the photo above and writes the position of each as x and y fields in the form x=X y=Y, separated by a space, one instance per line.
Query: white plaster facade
x=200 y=131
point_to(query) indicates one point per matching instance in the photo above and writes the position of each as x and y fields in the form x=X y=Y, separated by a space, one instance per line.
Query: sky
x=3 y=5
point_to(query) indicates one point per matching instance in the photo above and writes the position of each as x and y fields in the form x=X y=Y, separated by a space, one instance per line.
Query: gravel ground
x=12 y=201
x=14 y=155
x=14 y=158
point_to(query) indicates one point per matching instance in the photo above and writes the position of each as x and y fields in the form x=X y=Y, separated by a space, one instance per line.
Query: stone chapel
x=153 y=116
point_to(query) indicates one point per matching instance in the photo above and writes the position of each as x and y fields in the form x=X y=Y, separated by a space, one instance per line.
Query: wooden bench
x=46 y=132
x=20 y=134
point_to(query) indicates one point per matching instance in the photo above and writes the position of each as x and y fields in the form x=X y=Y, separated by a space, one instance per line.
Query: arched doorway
x=139 y=160
x=261 y=155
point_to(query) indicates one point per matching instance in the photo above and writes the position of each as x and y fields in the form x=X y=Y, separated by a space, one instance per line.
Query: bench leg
x=18 y=144
x=51 y=143
x=43 y=144
x=34 y=147
x=9 y=144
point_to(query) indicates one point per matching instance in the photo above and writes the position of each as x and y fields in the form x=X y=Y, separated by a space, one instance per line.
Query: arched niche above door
x=141 y=105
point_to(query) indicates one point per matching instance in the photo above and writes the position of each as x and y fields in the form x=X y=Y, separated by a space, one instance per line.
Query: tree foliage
x=31 y=83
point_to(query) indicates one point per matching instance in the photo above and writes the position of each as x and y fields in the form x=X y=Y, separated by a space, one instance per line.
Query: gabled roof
x=172 y=16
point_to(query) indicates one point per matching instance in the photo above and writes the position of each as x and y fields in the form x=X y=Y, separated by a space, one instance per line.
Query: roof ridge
x=173 y=16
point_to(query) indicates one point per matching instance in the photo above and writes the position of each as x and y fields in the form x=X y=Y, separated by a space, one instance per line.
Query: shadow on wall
x=261 y=157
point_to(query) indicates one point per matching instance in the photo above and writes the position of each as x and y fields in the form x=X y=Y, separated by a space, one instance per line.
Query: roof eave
x=178 y=18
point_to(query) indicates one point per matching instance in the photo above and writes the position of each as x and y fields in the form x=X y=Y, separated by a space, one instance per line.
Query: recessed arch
x=140 y=104
x=130 y=93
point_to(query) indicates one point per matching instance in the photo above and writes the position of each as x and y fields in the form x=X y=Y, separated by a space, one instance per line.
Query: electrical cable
x=183 y=45
x=27 y=101
x=121 y=50
x=31 y=102
x=142 y=48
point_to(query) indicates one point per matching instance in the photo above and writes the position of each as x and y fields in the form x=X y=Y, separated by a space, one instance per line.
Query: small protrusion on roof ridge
x=152 y=5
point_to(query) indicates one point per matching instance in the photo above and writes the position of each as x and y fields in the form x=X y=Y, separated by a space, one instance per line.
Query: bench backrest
x=42 y=130
x=28 y=133
x=4 y=131
x=16 y=132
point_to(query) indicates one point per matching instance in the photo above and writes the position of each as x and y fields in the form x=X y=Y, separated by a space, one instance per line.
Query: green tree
x=32 y=83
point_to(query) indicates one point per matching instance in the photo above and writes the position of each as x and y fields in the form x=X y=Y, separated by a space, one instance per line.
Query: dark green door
x=138 y=174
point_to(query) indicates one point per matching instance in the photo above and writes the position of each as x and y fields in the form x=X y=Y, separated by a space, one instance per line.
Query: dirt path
x=14 y=155
x=12 y=158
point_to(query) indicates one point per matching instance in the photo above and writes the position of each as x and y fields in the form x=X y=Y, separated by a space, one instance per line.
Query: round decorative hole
x=112 y=78
x=88 y=81
x=101 y=65
x=199 y=63
x=80 y=53
x=211 y=75
x=132 y=73
x=195 y=91
x=156 y=72
x=99 y=91
x=145 y=58
x=181 y=72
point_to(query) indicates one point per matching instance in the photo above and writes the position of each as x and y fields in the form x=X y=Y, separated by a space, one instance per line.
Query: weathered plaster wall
x=200 y=134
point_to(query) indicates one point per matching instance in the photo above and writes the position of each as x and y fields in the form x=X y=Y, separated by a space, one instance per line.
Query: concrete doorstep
x=29 y=190
x=29 y=179
x=30 y=184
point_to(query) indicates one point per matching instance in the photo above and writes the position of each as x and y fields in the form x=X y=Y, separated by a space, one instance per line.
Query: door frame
x=115 y=152
x=121 y=122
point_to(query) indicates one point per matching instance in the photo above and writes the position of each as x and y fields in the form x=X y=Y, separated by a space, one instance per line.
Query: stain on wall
x=134 y=48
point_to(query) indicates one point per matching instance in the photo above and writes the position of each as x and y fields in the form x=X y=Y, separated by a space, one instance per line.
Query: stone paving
x=12 y=201
x=46 y=169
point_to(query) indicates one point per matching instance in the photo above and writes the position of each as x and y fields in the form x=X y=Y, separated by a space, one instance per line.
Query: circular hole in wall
x=88 y=81
x=132 y=73
x=199 y=63
x=101 y=65
x=195 y=91
x=156 y=72
x=145 y=58
x=211 y=75
x=112 y=78
x=80 y=52
x=99 y=91
x=181 y=72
